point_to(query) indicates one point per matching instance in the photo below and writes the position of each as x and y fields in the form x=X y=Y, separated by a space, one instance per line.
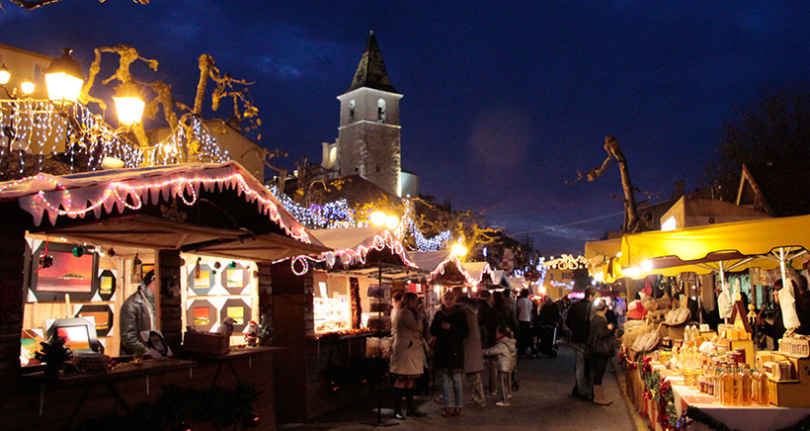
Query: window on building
x=381 y=111
x=38 y=73
x=351 y=110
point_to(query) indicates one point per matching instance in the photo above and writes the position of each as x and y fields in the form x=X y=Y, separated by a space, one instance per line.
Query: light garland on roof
x=467 y=277
x=39 y=127
x=352 y=256
x=60 y=202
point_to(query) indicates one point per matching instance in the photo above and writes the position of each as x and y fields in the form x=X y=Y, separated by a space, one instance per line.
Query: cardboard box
x=212 y=343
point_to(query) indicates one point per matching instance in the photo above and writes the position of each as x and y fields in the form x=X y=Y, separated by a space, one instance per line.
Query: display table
x=742 y=418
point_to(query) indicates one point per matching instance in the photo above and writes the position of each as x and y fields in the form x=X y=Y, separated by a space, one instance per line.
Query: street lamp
x=459 y=250
x=128 y=105
x=64 y=79
x=379 y=218
x=5 y=74
x=27 y=87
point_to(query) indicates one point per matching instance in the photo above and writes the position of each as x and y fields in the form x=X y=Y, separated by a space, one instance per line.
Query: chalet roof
x=779 y=189
x=371 y=72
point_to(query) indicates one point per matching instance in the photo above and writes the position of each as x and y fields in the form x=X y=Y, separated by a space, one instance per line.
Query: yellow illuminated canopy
x=738 y=245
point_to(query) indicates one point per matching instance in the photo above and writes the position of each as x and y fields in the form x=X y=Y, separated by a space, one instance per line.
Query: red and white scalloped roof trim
x=77 y=195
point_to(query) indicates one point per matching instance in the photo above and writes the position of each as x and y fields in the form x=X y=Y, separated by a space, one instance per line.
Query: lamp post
x=380 y=219
x=64 y=79
x=128 y=105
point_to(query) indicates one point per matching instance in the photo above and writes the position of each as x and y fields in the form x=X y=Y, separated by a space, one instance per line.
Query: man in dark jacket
x=137 y=315
x=579 y=321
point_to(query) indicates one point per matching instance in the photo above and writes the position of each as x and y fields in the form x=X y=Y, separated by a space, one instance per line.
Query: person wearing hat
x=138 y=315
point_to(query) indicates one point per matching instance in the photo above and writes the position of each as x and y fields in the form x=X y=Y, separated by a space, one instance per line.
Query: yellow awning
x=701 y=246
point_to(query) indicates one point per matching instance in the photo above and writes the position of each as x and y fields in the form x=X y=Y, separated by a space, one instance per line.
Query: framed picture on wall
x=62 y=272
x=239 y=310
x=234 y=280
x=201 y=283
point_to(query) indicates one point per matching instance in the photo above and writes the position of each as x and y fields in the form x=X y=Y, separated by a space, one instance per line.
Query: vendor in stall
x=776 y=329
x=138 y=315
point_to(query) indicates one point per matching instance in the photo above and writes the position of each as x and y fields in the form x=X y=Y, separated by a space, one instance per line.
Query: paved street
x=544 y=402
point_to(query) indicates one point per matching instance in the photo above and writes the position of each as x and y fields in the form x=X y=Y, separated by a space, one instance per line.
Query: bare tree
x=632 y=222
x=774 y=129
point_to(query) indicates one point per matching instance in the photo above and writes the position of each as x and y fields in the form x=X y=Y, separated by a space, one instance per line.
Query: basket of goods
x=90 y=362
x=646 y=341
x=677 y=316
x=386 y=345
x=373 y=347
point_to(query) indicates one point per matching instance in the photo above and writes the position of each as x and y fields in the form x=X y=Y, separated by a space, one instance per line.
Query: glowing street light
x=5 y=74
x=64 y=78
x=377 y=218
x=27 y=87
x=459 y=250
x=128 y=105
x=391 y=222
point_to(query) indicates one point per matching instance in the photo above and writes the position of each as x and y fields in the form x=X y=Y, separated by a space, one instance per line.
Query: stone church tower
x=368 y=141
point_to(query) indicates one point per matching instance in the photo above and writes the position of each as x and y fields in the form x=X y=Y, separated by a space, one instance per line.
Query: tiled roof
x=371 y=72
x=25 y=51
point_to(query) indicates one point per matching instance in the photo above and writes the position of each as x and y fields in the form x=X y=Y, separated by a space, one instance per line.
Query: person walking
x=524 y=318
x=579 y=321
x=600 y=343
x=450 y=328
x=473 y=355
x=407 y=353
x=488 y=327
x=505 y=354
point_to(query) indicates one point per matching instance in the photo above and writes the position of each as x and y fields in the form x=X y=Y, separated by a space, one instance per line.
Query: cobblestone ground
x=544 y=402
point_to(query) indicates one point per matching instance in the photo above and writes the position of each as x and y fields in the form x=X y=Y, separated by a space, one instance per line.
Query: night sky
x=503 y=101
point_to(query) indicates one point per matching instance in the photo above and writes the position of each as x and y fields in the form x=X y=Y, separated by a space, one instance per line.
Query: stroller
x=546 y=343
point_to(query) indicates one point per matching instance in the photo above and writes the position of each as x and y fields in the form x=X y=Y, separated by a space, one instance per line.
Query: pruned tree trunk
x=206 y=62
x=632 y=222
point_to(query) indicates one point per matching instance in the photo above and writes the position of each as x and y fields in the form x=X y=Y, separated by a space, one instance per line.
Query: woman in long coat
x=600 y=341
x=450 y=329
x=408 y=353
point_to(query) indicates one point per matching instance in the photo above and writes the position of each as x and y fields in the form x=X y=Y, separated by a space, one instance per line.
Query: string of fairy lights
x=351 y=256
x=338 y=214
x=41 y=128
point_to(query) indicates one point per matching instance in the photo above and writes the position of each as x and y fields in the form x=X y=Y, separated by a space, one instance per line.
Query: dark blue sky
x=503 y=101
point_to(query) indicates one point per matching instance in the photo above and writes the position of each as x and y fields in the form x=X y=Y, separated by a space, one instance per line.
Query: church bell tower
x=369 y=134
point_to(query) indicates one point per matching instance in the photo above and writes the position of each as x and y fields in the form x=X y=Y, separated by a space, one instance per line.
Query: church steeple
x=371 y=72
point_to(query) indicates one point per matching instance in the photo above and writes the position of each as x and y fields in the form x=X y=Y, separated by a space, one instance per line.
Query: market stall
x=75 y=247
x=706 y=379
x=326 y=308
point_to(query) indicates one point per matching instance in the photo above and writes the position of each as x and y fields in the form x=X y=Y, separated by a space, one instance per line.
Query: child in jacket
x=505 y=353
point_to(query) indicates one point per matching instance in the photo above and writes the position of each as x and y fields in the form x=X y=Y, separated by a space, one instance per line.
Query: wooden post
x=12 y=287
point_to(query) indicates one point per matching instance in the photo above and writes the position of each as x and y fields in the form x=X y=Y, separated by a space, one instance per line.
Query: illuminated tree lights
x=44 y=194
x=337 y=214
